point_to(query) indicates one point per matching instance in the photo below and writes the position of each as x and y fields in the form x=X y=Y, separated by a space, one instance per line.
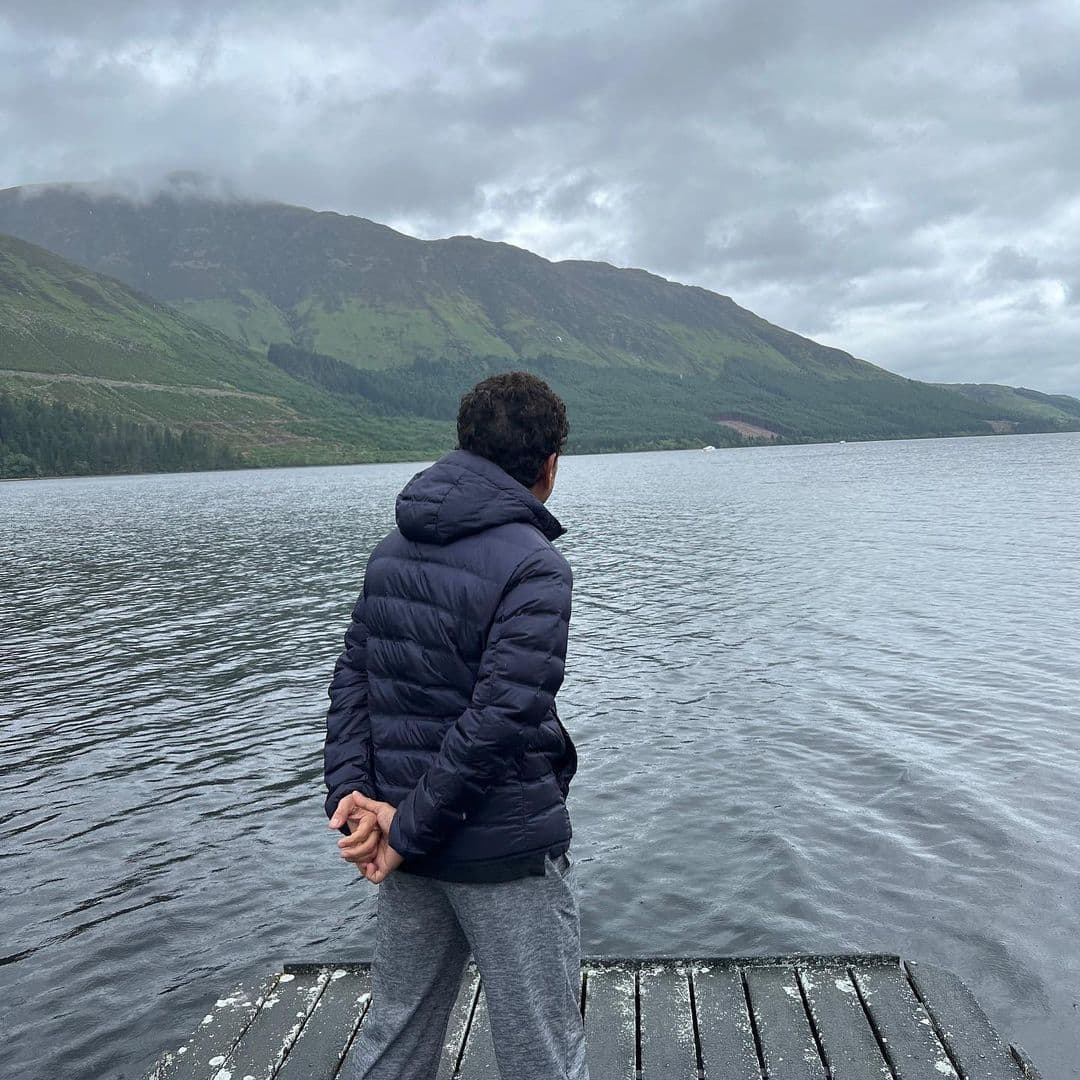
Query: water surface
x=825 y=698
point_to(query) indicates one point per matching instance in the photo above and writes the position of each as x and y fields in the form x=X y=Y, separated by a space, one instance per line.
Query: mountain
x=344 y=286
x=94 y=350
x=1029 y=407
x=374 y=323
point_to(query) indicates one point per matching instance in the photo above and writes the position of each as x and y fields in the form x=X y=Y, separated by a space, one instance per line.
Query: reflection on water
x=825 y=699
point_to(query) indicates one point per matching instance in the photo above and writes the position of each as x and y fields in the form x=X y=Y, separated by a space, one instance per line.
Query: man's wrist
x=395 y=837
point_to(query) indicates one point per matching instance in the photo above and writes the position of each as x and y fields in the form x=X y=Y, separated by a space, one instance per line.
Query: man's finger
x=361 y=826
x=358 y=858
x=371 y=869
x=364 y=803
x=359 y=834
x=344 y=806
x=357 y=841
x=359 y=838
x=364 y=851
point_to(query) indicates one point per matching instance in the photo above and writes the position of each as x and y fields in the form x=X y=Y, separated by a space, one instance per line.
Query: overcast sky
x=900 y=179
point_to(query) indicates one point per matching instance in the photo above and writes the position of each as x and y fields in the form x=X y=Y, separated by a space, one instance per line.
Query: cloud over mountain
x=896 y=180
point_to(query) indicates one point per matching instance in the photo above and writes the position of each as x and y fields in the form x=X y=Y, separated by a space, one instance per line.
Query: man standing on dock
x=446 y=762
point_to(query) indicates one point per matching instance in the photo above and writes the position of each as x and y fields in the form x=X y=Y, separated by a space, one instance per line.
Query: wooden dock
x=798 y=1017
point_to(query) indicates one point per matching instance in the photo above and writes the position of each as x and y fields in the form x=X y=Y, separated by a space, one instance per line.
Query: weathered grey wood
x=913 y=1049
x=1026 y=1065
x=668 y=1050
x=270 y=1036
x=787 y=1041
x=219 y=1031
x=610 y=1022
x=727 y=1039
x=870 y=1018
x=320 y=1047
x=458 y=1025
x=974 y=1044
x=479 y=1060
x=851 y=1049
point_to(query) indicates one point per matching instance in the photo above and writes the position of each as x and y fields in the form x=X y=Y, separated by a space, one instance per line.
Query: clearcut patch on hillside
x=749 y=431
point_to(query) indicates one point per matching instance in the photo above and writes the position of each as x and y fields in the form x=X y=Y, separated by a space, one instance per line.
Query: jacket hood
x=464 y=493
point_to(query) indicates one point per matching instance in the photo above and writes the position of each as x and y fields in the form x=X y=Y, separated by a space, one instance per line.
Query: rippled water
x=825 y=698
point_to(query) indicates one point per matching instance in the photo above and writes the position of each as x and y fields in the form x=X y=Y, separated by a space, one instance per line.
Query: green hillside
x=295 y=335
x=268 y=273
x=1028 y=409
x=642 y=408
x=72 y=338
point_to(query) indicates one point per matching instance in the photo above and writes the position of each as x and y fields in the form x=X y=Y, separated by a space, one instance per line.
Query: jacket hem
x=510 y=868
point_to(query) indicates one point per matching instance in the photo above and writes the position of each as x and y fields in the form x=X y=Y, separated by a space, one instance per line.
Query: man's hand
x=367 y=845
x=362 y=843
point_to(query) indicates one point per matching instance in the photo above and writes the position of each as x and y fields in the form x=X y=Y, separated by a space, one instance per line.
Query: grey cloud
x=1008 y=264
x=895 y=179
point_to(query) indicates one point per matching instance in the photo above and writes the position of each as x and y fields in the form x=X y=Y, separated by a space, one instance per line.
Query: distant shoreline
x=771 y=445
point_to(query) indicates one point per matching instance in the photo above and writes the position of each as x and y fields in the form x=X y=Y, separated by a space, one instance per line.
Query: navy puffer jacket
x=443 y=702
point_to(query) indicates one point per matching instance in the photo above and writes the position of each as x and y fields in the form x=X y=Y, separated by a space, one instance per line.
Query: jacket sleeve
x=347 y=751
x=520 y=671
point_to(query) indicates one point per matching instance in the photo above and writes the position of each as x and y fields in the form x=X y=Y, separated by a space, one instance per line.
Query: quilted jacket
x=443 y=701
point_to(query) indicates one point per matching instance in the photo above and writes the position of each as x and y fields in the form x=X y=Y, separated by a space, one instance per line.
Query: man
x=446 y=763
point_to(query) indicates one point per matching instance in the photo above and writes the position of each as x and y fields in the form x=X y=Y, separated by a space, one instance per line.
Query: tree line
x=628 y=408
x=43 y=438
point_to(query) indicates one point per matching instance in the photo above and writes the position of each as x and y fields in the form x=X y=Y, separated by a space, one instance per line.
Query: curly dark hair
x=514 y=419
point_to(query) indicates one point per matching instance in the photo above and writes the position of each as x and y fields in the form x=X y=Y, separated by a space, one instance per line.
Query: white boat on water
x=707 y=449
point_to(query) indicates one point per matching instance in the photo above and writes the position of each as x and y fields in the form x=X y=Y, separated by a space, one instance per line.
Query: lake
x=825 y=699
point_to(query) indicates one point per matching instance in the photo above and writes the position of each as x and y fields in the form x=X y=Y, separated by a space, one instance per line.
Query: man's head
x=517 y=421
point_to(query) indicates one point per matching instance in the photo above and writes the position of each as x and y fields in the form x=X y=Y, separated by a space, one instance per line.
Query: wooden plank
x=851 y=1048
x=1027 y=1066
x=970 y=1037
x=270 y=1036
x=727 y=1038
x=913 y=1049
x=320 y=1047
x=787 y=1041
x=218 y=1033
x=457 y=1028
x=872 y=1020
x=610 y=1022
x=479 y=1060
x=668 y=1050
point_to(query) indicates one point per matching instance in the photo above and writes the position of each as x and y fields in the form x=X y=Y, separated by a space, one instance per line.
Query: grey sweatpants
x=524 y=936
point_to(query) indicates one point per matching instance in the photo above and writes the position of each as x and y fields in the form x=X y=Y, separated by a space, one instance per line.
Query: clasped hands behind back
x=368 y=844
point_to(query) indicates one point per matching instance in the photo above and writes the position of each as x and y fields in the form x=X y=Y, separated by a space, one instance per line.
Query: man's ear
x=545 y=476
x=551 y=467
x=544 y=473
